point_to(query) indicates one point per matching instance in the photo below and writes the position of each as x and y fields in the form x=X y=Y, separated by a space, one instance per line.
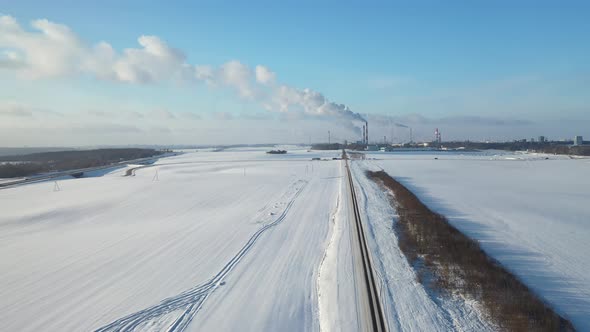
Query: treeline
x=326 y=146
x=21 y=169
x=12 y=151
x=579 y=150
x=541 y=147
x=447 y=260
x=25 y=165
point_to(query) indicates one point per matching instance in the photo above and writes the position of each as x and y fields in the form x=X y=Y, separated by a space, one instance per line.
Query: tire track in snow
x=191 y=301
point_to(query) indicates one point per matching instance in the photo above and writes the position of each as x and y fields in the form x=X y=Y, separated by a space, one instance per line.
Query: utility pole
x=328 y=137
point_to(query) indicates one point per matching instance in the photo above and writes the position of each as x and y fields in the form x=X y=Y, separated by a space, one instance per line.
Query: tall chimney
x=367 y=132
x=363 y=139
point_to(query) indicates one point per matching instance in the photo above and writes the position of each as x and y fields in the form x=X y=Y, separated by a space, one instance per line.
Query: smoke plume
x=54 y=50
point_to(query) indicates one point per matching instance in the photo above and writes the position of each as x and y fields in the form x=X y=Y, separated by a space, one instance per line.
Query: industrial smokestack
x=367 y=132
x=364 y=132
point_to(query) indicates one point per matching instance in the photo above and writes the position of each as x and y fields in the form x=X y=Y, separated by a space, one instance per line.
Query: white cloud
x=224 y=116
x=53 y=50
x=257 y=116
x=161 y=130
x=163 y=114
x=104 y=129
x=11 y=60
x=12 y=110
x=265 y=75
x=100 y=113
x=403 y=121
x=238 y=76
x=156 y=61
x=190 y=116
x=206 y=74
x=133 y=115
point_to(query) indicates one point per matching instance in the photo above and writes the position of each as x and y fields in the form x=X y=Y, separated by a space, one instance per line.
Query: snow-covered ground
x=234 y=238
x=7 y=180
x=529 y=211
x=407 y=304
x=244 y=240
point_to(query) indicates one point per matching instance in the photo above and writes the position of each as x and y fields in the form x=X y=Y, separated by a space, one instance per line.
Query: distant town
x=576 y=146
x=21 y=162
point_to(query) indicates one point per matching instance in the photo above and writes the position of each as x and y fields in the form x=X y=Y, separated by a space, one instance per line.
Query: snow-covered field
x=407 y=304
x=529 y=211
x=7 y=180
x=234 y=238
x=243 y=240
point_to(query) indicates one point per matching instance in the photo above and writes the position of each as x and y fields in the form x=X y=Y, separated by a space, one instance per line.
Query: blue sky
x=477 y=69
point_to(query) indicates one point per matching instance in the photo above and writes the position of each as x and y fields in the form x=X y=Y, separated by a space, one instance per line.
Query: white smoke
x=53 y=50
x=265 y=75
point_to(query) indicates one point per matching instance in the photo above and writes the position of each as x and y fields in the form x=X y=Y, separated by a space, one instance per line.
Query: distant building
x=578 y=140
x=542 y=139
x=372 y=148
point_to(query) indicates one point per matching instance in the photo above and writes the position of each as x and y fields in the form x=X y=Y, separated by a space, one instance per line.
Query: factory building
x=578 y=140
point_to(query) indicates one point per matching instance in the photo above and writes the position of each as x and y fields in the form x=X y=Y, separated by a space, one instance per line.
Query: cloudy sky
x=128 y=72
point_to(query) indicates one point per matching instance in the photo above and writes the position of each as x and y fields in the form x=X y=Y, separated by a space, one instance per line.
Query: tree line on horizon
x=44 y=162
